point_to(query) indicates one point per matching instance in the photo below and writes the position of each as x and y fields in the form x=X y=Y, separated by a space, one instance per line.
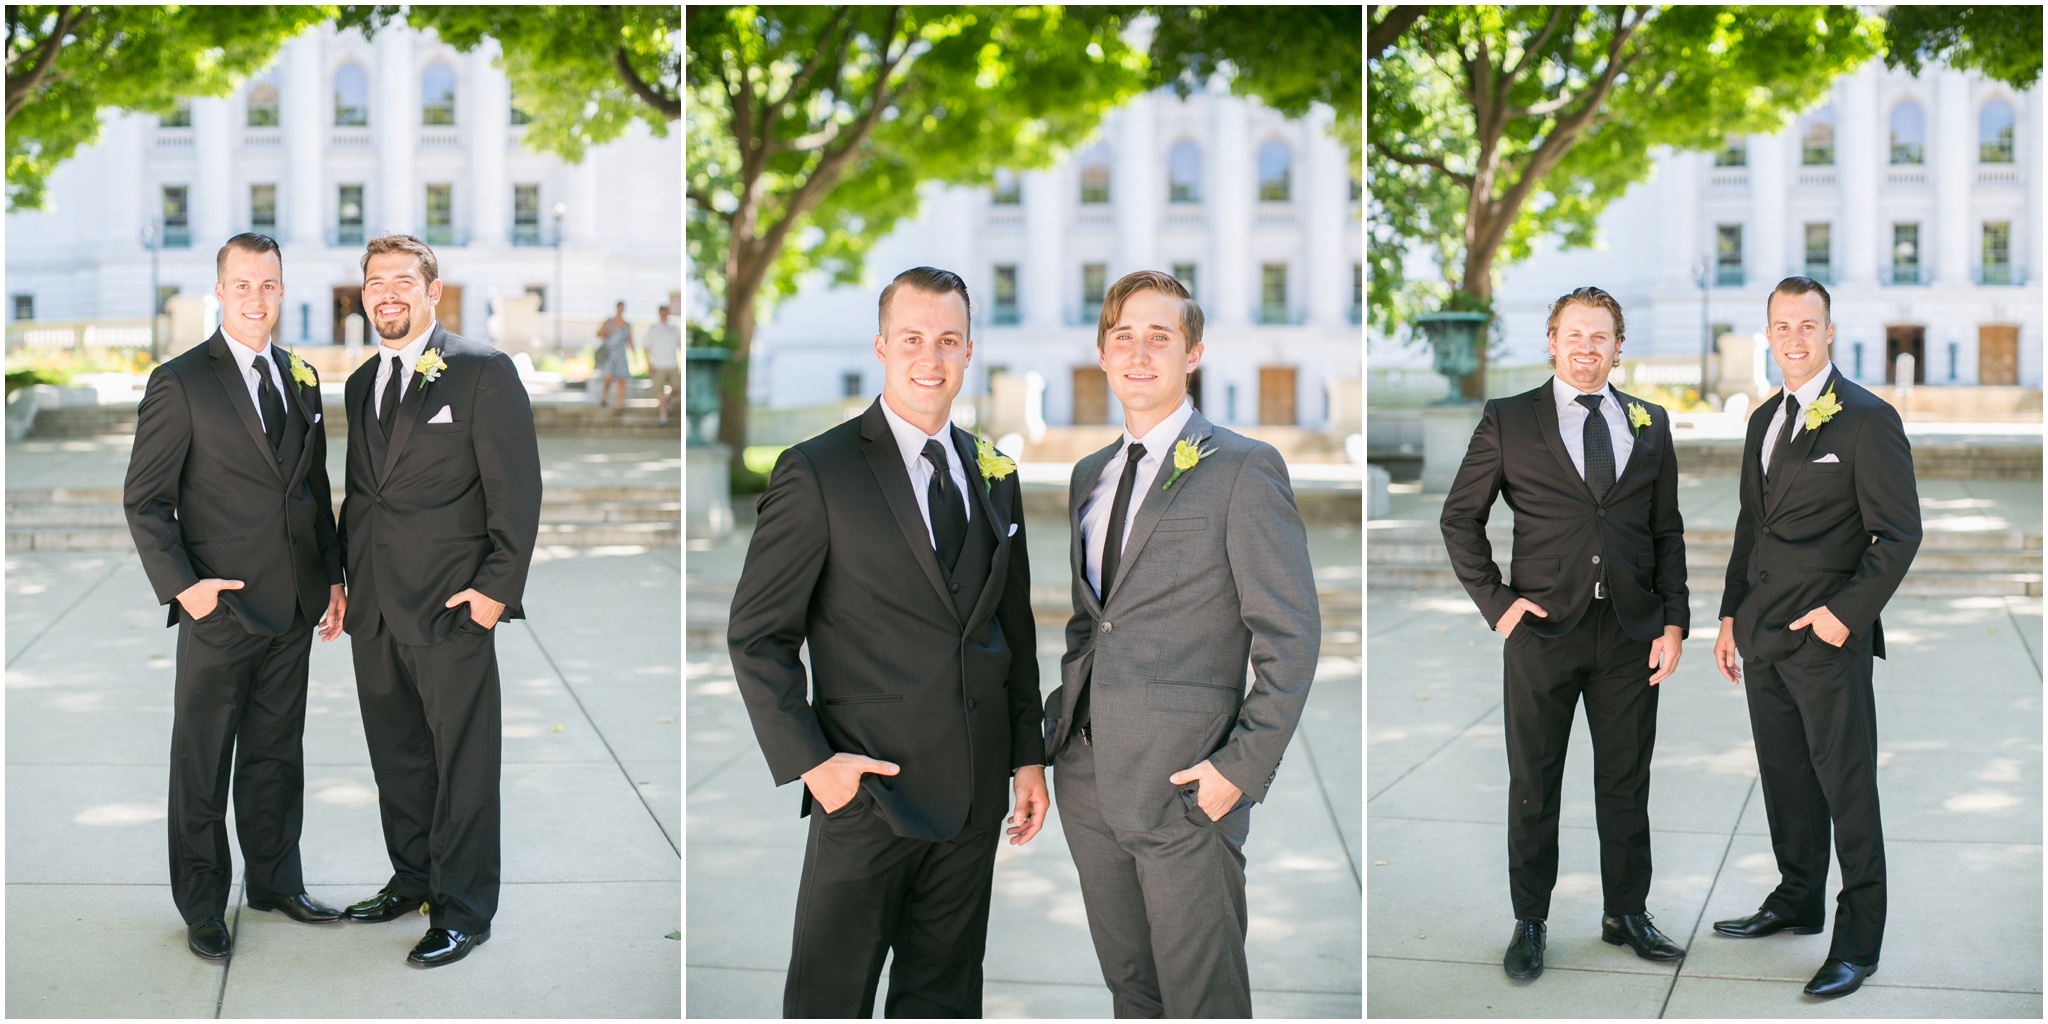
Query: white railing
x=1816 y=177
x=262 y=138
x=1729 y=177
x=349 y=138
x=174 y=138
x=31 y=334
x=1183 y=213
x=1005 y=214
x=440 y=138
x=1906 y=174
x=1998 y=174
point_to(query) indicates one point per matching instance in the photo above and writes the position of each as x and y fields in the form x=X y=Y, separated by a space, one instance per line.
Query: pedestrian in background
x=612 y=356
x=662 y=343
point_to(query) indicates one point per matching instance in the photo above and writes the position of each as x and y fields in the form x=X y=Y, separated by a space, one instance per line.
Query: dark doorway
x=1901 y=339
x=348 y=302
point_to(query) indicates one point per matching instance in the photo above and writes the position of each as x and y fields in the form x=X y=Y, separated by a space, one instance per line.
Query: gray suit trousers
x=1166 y=908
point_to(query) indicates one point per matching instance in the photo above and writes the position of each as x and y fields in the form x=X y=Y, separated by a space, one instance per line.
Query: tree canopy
x=1288 y=57
x=1999 y=41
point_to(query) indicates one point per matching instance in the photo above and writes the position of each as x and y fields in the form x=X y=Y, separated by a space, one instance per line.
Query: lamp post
x=1699 y=274
x=559 y=210
x=151 y=233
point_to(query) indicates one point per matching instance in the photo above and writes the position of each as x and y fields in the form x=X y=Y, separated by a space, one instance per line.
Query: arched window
x=437 y=95
x=1008 y=189
x=1184 y=173
x=1817 y=139
x=1994 y=133
x=262 y=104
x=1095 y=174
x=351 y=96
x=1276 y=172
x=1909 y=134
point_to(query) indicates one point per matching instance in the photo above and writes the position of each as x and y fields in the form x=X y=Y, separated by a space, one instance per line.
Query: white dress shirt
x=1806 y=394
x=245 y=357
x=407 y=356
x=1158 y=444
x=910 y=440
x=1571 y=424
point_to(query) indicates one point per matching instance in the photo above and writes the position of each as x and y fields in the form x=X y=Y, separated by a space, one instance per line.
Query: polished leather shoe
x=299 y=908
x=1525 y=951
x=445 y=946
x=1762 y=923
x=384 y=906
x=1636 y=932
x=209 y=938
x=1838 y=978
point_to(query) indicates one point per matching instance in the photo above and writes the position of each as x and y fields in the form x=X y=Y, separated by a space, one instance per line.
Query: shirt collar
x=1568 y=395
x=1811 y=390
x=1163 y=434
x=410 y=354
x=910 y=438
x=245 y=357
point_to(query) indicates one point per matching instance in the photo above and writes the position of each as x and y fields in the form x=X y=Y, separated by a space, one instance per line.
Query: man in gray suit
x=1189 y=561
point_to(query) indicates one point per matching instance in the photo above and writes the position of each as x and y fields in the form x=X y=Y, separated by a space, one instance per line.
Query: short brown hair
x=1153 y=280
x=250 y=242
x=430 y=268
x=930 y=280
x=1796 y=285
x=1588 y=296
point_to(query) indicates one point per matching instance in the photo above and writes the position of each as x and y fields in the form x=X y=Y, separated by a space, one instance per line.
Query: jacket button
x=1596 y=559
x=971 y=703
x=1767 y=531
x=1763 y=575
x=956 y=588
x=1105 y=627
x=1603 y=513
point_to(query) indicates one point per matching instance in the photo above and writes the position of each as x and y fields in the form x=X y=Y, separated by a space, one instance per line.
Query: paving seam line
x=714 y=773
x=1323 y=790
x=113 y=566
x=1712 y=883
x=1426 y=758
x=1397 y=625
x=235 y=914
x=1642 y=971
x=1590 y=828
x=2024 y=645
x=601 y=738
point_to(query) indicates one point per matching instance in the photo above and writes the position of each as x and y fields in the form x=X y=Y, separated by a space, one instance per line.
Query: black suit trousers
x=866 y=891
x=433 y=720
x=1814 y=716
x=238 y=695
x=1545 y=679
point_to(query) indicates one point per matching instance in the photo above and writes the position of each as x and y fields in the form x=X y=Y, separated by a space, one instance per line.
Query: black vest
x=293 y=444
x=977 y=551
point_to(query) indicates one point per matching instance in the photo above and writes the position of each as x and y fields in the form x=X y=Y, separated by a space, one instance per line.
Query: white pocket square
x=316 y=417
x=1013 y=530
x=1829 y=457
x=446 y=415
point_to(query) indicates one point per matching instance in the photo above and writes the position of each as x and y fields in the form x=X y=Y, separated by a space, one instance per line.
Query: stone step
x=1916 y=584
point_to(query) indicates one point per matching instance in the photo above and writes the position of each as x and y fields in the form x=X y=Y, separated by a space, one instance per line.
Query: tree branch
x=1535 y=46
x=1387 y=31
x=20 y=87
x=703 y=201
x=1422 y=161
x=669 y=107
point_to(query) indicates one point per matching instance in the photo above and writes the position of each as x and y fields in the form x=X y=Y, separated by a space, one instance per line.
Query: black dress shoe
x=1762 y=923
x=1525 y=951
x=445 y=946
x=1636 y=932
x=299 y=908
x=383 y=907
x=209 y=938
x=1838 y=978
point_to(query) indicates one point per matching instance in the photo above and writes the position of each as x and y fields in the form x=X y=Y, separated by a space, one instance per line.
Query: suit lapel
x=231 y=380
x=886 y=461
x=298 y=393
x=1156 y=501
x=1795 y=457
x=983 y=488
x=1752 y=478
x=1545 y=399
x=411 y=400
x=1639 y=442
x=1089 y=470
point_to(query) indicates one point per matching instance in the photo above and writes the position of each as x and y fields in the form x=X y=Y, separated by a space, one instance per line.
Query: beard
x=392 y=330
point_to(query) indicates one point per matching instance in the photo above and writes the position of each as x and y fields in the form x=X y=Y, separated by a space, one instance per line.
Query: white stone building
x=1915 y=199
x=343 y=139
x=1256 y=212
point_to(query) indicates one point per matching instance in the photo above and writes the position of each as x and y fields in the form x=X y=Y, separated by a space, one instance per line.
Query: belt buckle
x=1599 y=590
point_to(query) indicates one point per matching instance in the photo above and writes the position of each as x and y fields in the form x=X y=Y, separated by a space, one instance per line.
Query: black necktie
x=269 y=403
x=1119 y=510
x=387 y=407
x=949 y=512
x=1784 y=443
x=1599 y=448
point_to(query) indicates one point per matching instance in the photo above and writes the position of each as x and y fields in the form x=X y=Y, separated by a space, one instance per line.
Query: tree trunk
x=1478 y=283
x=741 y=289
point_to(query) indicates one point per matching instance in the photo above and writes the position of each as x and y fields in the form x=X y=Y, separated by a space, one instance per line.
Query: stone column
x=485 y=111
x=1771 y=159
x=1677 y=186
x=395 y=125
x=307 y=122
x=1859 y=155
x=1946 y=243
x=1321 y=202
x=1227 y=205
x=213 y=180
x=1136 y=187
x=1038 y=280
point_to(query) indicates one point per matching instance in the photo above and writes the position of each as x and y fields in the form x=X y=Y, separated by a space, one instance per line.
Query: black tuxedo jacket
x=206 y=498
x=1839 y=533
x=454 y=503
x=1563 y=538
x=841 y=559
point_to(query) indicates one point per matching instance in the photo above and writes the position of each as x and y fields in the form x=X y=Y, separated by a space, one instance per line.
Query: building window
x=1819 y=252
x=1357 y=292
x=349 y=226
x=1095 y=174
x=351 y=96
x=1008 y=189
x=1817 y=140
x=24 y=307
x=179 y=117
x=1184 y=173
x=1185 y=274
x=437 y=95
x=1728 y=255
x=517 y=116
x=526 y=215
x=1273 y=293
x=1998 y=252
x=440 y=215
x=539 y=291
x=849 y=385
x=1276 y=172
x=1905 y=254
x=262 y=105
x=1734 y=152
x=1006 y=294
x=1994 y=133
x=1094 y=282
x=263 y=208
x=1356 y=189
x=177 y=217
x=1909 y=134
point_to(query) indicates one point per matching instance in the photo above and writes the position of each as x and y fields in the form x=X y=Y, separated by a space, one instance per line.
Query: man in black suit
x=228 y=500
x=895 y=549
x=439 y=523
x=1829 y=524
x=1599 y=560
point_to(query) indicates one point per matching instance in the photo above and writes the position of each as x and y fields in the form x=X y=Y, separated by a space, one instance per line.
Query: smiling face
x=1147 y=359
x=1584 y=346
x=1800 y=335
x=924 y=351
x=398 y=297
x=250 y=290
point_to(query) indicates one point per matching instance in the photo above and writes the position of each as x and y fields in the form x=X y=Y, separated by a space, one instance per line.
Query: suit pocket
x=1176 y=525
x=1825 y=569
x=216 y=540
x=1199 y=698
x=866 y=698
x=1534 y=566
x=468 y=539
x=1827 y=467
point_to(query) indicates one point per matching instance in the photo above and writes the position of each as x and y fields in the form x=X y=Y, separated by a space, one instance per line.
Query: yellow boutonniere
x=1638 y=417
x=303 y=372
x=429 y=367
x=1186 y=456
x=1823 y=408
x=994 y=464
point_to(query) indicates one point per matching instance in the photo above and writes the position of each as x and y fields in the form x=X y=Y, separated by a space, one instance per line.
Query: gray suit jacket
x=1215 y=575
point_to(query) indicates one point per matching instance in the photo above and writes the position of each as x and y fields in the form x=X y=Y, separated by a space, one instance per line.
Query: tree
x=1998 y=41
x=811 y=129
x=581 y=74
x=1491 y=127
x=66 y=64
x=1289 y=57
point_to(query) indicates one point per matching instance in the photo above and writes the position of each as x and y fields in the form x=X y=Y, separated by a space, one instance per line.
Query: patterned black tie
x=387 y=407
x=269 y=403
x=1119 y=510
x=1599 y=448
x=949 y=512
x=1784 y=442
